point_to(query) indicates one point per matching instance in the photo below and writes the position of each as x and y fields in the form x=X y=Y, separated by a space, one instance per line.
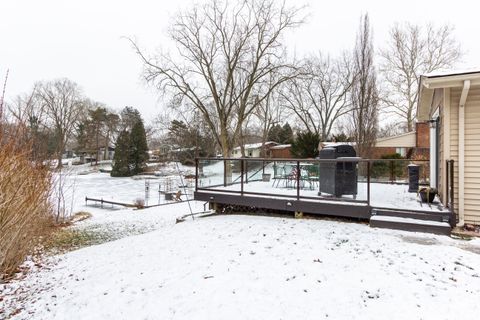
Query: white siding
x=472 y=151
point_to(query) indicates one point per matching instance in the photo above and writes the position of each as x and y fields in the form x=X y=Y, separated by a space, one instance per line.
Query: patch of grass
x=69 y=239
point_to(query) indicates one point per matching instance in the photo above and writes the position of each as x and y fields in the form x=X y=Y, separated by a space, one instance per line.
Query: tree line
x=231 y=68
x=56 y=116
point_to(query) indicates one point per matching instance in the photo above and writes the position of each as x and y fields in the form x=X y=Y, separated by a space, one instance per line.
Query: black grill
x=338 y=178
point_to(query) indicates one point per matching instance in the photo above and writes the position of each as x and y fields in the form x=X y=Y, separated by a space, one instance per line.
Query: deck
x=256 y=184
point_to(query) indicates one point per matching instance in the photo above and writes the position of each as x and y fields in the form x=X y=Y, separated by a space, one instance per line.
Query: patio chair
x=278 y=174
x=291 y=179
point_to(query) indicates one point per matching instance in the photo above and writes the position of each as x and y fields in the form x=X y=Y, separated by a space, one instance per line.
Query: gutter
x=461 y=154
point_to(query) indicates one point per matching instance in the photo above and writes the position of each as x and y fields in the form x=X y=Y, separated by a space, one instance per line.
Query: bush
x=25 y=210
x=392 y=170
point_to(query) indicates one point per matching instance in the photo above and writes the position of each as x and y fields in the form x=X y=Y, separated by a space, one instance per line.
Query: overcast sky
x=82 y=40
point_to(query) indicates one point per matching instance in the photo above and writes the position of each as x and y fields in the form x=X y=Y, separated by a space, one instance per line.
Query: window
x=401 y=151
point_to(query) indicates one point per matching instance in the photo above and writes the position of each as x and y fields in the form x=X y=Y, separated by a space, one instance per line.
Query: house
x=281 y=151
x=411 y=144
x=450 y=101
x=254 y=150
x=108 y=156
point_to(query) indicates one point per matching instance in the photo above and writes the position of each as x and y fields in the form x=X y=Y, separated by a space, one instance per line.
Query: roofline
x=450 y=80
x=452 y=74
x=397 y=136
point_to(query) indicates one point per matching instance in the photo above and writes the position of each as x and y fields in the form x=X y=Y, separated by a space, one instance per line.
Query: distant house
x=410 y=144
x=254 y=150
x=451 y=103
x=108 y=156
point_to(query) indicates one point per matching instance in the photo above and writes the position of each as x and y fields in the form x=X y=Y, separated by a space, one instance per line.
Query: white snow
x=246 y=267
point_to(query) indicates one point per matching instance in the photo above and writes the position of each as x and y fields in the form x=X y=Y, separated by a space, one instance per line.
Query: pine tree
x=121 y=159
x=286 y=134
x=305 y=145
x=138 y=152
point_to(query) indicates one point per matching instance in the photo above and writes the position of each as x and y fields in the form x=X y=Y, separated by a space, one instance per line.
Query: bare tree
x=364 y=95
x=412 y=51
x=63 y=103
x=269 y=113
x=227 y=51
x=321 y=97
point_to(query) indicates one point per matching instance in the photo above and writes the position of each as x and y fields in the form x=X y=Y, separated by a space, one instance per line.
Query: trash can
x=413 y=177
x=339 y=178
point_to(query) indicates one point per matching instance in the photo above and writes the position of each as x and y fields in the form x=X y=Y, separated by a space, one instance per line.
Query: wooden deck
x=385 y=205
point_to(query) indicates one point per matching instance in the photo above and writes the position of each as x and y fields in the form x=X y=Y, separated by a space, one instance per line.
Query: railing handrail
x=345 y=159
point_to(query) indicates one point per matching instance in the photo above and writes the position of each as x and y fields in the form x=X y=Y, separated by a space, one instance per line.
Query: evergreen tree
x=286 y=134
x=121 y=159
x=131 y=147
x=305 y=145
x=138 y=151
x=281 y=134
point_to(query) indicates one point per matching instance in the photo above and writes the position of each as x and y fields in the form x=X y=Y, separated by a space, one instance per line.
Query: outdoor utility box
x=339 y=178
x=413 y=177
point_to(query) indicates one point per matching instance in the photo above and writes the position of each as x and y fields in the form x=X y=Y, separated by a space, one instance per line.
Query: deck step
x=420 y=215
x=410 y=224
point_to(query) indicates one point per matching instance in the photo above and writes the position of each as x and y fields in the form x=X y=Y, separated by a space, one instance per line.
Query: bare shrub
x=139 y=203
x=25 y=210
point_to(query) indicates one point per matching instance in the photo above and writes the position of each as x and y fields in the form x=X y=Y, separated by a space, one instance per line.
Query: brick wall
x=423 y=135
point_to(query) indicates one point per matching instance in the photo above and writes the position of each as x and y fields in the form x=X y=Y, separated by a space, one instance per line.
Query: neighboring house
x=109 y=155
x=254 y=150
x=413 y=144
x=281 y=151
x=451 y=102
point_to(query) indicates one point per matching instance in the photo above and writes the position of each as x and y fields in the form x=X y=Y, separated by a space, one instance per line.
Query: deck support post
x=213 y=206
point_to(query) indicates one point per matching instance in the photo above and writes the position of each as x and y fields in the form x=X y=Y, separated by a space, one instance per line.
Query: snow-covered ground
x=246 y=267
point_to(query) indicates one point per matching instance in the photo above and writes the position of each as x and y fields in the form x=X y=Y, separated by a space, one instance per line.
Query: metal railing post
x=246 y=171
x=298 y=180
x=242 y=163
x=452 y=183
x=447 y=183
x=196 y=174
x=224 y=172
x=392 y=178
x=368 y=183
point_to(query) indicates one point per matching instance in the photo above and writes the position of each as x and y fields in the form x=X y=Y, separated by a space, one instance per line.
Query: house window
x=401 y=151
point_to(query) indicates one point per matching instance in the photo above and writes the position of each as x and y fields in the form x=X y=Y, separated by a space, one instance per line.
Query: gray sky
x=82 y=40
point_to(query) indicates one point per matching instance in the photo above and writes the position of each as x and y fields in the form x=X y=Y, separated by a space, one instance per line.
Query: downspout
x=461 y=154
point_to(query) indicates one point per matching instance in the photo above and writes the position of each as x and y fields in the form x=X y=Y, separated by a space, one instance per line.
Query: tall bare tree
x=269 y=113
x=63 y=103
x=412 y=51
x=321 y=97
x=227 y=52
x=364 y=94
